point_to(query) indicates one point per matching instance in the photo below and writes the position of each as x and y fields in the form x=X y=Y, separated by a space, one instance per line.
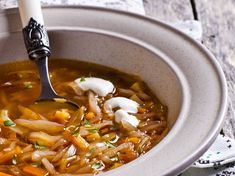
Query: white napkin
x=221 y=152
x=219 y=160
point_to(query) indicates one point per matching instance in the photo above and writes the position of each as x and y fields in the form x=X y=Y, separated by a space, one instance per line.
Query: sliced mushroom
x=123 y=116
x=121 y=102
x=100 y=86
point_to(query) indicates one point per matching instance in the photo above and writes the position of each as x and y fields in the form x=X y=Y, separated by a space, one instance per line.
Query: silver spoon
x=37 y=45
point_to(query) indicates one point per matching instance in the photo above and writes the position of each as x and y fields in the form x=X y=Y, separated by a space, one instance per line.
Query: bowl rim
x=223 y=105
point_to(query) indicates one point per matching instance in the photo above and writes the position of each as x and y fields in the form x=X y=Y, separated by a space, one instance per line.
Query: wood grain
x=169 y=10
x=218 y=22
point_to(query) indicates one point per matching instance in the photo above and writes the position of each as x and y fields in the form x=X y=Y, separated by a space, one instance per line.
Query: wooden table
x=218 y=23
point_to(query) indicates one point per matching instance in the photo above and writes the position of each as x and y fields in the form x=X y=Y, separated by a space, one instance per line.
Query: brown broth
x=19 y=89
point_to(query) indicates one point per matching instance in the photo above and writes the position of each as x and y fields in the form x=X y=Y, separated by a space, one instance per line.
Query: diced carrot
x=77 y=140
x=142 y=110
x=61 y=116
x=18 y=150
x=6 y=157
x=34 y=171
x=104 y=130
x=128 y=155
x=93 y=137
x=134 y=140
x=12 y=135
x=80 y=142
x=67 y=134
x=90 y=115
x=4 y=174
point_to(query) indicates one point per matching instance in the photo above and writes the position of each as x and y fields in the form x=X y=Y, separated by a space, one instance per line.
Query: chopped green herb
x=98 y=166
x=14 y=160
x=114 y=128
x=37 y=146
x=87 y=123
x=90 y=152
x=28 y=85
x=9 y=123
x=82 y=79
x=109 y=144
x=93 y=130
x=115 y=158
x=75 y=133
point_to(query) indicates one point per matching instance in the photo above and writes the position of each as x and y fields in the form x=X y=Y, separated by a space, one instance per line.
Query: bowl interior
x=198 y=96
x=113 y=51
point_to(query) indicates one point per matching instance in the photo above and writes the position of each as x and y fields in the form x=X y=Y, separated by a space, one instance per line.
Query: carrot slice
x=5 y=157
x=34 y=171
x=4 y=174
x=90 y=115
x=77 y=140
x=134 y=140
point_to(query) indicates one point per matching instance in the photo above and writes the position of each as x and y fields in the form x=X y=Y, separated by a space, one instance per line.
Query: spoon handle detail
x=34 y=33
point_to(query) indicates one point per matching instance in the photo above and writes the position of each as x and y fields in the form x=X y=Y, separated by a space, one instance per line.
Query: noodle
x=50 y=139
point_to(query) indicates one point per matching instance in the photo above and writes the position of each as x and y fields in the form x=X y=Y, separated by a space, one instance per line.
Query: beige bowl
x=181 y=72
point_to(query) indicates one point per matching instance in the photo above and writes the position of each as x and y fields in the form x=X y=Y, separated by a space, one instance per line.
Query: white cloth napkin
x=221 y=152
x=219 y=160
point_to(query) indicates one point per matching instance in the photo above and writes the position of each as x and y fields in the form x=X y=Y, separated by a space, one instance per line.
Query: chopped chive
x=97 y=166
x=37 y=146
x=109 y=144
x=9 y=123
x=14 y=160
x=28 y=85
x=114 y=128
x=82 y=79
x=93 y=130
x=87 y=123
x=75 y=133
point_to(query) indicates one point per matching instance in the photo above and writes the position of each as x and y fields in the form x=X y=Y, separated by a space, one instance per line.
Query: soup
x=118 y=120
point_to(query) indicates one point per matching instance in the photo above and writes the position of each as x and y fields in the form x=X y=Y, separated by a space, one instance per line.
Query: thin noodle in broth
x=105 y=132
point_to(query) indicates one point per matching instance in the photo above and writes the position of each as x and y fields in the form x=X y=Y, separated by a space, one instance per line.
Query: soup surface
x=118 y=120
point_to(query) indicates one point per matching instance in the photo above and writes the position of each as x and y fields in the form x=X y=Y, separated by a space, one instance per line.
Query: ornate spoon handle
x=35 y=35
x=37 y=43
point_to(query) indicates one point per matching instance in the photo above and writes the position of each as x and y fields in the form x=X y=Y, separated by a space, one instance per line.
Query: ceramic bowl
x=181 y=72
